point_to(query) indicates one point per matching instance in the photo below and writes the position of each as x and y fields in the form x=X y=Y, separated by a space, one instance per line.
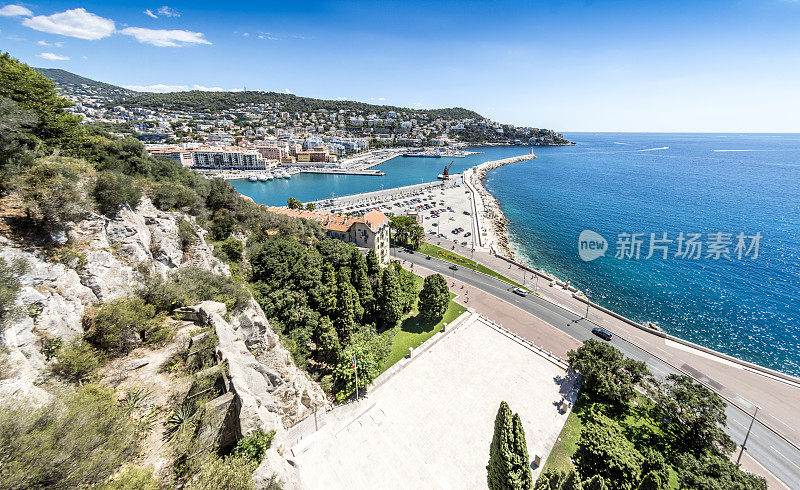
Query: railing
x=527 y=343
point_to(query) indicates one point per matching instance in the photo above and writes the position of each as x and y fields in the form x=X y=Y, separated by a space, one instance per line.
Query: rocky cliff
x=109 y=259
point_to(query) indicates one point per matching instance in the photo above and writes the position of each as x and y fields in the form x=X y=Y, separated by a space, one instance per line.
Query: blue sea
x=625 y=187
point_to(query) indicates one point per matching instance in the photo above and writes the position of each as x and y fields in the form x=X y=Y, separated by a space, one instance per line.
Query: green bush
x=111 y=190
x=191 y=285
x=74 y=444
x=77 y=361
x=119 y=326
x=233 y=248
x=175 y=197
x=50 y=190
x=187 y=233
x=9 y=287
x=132 y=478
x=230 y=473
x=253 y=446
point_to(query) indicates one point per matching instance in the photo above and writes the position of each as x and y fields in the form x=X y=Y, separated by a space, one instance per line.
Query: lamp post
x=355 y=370
x=744 y=444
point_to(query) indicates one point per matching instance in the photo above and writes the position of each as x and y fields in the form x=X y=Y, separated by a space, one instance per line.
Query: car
x=602 y=333
x=427 y=257
x=453 y=267
x=463 y=244
x=519 y=292
x=466 y=213
x=469 y=233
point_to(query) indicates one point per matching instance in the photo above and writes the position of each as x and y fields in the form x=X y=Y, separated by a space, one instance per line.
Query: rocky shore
x=494 y=235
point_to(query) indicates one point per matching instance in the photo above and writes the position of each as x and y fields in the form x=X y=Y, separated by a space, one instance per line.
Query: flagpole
x=355 y=370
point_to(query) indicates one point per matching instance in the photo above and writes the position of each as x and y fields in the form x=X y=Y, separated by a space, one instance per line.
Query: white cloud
x=381 y=98
x=341 y=98
x=14 y=11
x=268 y=36
x=168 y=12
x=54 y=57
x=164 y=37
x=73 y=23
x=150 y=13
x=45 y=43
x=287 y=91
x=246 y=34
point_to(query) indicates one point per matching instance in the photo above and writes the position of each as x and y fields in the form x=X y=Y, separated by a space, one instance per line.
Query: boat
x=422 y=154
x=252 y=178
x=269 y=176
x=262 y=177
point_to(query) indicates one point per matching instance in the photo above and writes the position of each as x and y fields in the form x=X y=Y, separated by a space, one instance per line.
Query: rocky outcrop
x=110 y=254
x=273 y=393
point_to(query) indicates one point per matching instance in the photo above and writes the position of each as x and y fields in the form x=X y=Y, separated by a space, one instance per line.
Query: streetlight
x=747 y=435
x=355 y=370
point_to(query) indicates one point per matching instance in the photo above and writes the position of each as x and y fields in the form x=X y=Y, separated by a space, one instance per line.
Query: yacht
x=262 y=177
x=252 y=178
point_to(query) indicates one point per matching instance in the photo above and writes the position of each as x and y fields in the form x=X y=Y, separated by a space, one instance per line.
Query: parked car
x=602 y=333
x=467 y=233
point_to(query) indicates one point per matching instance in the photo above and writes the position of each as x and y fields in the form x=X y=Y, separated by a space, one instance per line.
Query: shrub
x=77 y=361
x=9 y=287
x=604 y=450
x=119 y=326
x=233 y=248
x=230 y=473
x=111 y=190
x=72 y=445
x=187 y=233
x=50 y=191
x=132 y=478
x=253 y=446
x=224 y=224
x=172 y=197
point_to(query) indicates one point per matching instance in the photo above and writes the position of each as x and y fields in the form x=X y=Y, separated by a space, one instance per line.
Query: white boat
x=252 y=178
x=269 y=176
x=262 y=177
x=282 y=174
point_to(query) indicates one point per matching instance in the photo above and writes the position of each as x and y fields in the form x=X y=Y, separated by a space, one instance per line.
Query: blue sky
x=571 y=66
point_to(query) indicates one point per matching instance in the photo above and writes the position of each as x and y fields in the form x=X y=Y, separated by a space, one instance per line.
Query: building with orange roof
x=370 y=231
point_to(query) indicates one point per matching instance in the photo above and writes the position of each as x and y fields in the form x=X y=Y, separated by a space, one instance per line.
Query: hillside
x=198 y=101
x=71 y=84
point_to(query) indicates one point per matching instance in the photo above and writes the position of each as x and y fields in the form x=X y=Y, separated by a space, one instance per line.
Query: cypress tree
x=509 y=467
x=329 y=291
x=360 y=281
x=327 y=338
x=373 y=266
x=434 y=297
x=391 y=304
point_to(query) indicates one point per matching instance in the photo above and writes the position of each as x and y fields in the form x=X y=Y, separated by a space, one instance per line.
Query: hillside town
x=297 y=133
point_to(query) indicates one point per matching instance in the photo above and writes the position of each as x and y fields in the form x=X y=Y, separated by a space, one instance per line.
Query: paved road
x=770 y=450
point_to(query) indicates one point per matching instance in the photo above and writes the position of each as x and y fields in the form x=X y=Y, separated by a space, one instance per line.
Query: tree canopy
x=606 y=371
x=509 y=466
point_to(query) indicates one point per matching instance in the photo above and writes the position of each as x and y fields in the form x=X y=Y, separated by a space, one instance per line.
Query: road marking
x=784 y=457
x=744 y=427
x=781 y=421
x=656 y=369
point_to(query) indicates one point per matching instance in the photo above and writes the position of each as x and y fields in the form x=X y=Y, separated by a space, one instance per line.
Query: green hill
x=198 y=101
x=70 y=83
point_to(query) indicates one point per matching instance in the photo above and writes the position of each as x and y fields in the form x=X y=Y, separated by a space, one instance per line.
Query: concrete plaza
x=431 y=424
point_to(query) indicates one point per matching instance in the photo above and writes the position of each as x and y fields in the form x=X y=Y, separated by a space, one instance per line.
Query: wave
x=738 y=150
x=654 y=149
x=618 y=143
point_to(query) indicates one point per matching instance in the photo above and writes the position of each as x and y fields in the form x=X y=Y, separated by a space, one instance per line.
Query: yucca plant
x=178 y=418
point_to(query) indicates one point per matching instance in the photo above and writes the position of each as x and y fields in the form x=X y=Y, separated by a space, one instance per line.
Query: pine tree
x=348 y=307
x=391 y=303
x=651 y=481
x=434 y=297
x=597 y=482
x=509 y=467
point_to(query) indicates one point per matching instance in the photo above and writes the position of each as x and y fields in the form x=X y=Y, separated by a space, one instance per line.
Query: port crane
x=445 y=175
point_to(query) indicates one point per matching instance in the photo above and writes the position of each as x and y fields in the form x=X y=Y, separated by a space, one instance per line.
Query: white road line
x=745 y=428
x=784 y=457
x=781 y=421
x=656 y=369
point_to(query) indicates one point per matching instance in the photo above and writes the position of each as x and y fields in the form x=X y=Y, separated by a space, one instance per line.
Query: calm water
x=619 y=183
x=400 y=171
x=644 y=183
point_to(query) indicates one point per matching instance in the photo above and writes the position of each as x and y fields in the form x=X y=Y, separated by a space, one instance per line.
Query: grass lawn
x=636 y=423
x=449 y=256
x=413 y=331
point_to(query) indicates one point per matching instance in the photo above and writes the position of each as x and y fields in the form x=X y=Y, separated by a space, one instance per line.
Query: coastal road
x=765 y=446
